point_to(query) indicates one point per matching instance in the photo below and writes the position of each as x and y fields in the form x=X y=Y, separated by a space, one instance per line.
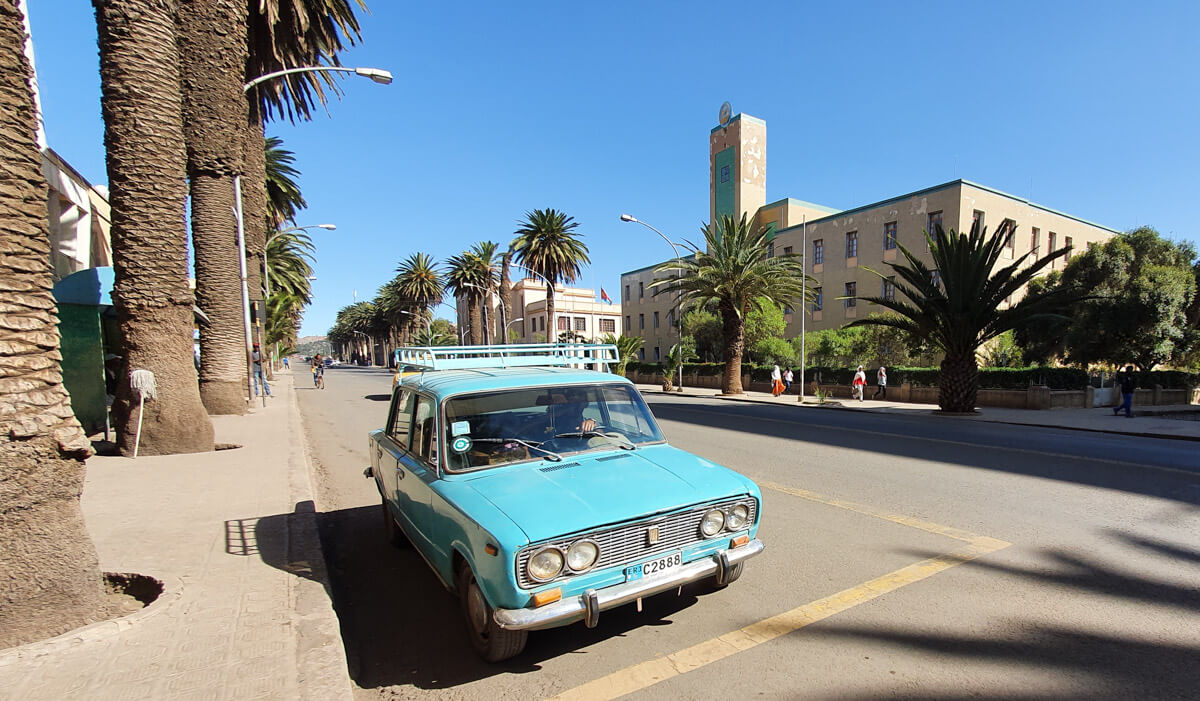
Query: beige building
x=575 y=309
x=842 y=247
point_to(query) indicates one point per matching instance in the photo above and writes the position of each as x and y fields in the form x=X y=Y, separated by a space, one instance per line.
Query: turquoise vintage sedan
x=543 y=493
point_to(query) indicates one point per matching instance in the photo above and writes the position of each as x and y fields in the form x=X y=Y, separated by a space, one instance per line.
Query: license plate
x=654 y=567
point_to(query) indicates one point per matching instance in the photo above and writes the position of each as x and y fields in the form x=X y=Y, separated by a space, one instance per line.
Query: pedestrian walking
x=776 y=381
x=285 y=363
x=256 y=357
x=858 y=384
x=881 y=378
x=787 y=379
x=1128 y=385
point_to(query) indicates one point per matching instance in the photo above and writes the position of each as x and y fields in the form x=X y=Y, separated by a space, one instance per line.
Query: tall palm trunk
x=212 y=53
x=143 y=136
x=958 y=383
x=254 y=208
x=475 y=317
x=734 y=330
x=51 y=581
x=551 y=325
x=505 y=293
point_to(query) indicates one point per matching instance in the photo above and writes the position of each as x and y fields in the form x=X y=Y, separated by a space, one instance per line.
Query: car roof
x=442 y=383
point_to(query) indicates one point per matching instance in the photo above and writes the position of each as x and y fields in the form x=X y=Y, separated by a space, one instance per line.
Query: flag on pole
x=604 y=296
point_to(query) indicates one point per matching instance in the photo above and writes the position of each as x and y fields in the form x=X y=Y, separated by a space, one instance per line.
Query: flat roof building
x=840 y=245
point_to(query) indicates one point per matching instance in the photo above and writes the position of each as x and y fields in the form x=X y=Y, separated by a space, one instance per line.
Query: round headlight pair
x=716 y=520
x=738 y=516
x=548 y=563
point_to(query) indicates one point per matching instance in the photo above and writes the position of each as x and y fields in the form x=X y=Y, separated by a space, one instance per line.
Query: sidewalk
x=232 y=535
x=1098 y=419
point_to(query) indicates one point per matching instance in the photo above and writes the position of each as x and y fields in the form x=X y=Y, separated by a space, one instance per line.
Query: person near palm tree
x=256 y=357
x=881 y=379
x=776 y=381
x=858 y=384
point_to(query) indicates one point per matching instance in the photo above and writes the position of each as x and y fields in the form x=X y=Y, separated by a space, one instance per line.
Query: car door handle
x=399 y=473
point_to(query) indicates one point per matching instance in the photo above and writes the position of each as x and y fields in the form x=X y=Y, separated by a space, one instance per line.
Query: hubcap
x=476 y=608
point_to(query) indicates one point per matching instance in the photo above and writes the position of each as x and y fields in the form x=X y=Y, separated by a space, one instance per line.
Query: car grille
x=629 y=543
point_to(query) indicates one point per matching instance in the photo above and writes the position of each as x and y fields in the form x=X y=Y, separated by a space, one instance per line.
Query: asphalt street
x=907 y=557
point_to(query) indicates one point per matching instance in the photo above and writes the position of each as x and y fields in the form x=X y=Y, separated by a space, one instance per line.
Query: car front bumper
x=588 y=605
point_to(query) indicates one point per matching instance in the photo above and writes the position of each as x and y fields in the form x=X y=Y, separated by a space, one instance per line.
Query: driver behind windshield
x=568 y=417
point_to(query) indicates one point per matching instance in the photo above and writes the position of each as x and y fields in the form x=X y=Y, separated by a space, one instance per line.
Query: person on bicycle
x=318 y=371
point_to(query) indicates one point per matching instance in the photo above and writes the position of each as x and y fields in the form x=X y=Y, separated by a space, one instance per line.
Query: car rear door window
x=399 y=428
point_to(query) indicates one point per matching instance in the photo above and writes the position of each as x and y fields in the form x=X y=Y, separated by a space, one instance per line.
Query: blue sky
x=602 y=108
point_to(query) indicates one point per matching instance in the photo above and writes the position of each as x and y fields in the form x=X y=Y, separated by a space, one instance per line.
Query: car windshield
x=497 y=428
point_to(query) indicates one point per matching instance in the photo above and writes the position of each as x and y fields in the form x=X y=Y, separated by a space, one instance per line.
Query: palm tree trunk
x=254 y=208
x=51 y=580
x=958 y=383
x=734 y=329
x=475 y=318
x=143 y=137
x=551 y=325
x=212 y=54
x=505 y=294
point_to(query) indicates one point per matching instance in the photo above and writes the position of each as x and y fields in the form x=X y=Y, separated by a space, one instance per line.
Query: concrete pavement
x=1146 y=421
x=232 y=535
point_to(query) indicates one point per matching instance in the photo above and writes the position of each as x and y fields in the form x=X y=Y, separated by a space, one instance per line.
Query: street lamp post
x=678 y=274
x=549 y=290
x=376 y=74
x=510 y=324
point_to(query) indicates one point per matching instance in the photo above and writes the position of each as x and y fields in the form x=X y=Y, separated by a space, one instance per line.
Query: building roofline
x=735 y=118
x=946 y=186
x=802 y=203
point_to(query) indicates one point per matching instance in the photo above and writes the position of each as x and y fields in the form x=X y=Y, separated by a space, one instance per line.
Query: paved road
x=907 y=557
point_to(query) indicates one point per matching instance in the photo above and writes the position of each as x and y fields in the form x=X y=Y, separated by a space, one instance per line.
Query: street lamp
x=376 y=74
x=510 y=324
x=678 y=274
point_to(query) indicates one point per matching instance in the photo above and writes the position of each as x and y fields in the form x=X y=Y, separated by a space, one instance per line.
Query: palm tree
x=284 y=198
x=52 y=581
x=734 y=274
x=472 y=276
x=546 y=243
x=505 y=296
x=420 y=282
x=289 y=259
x=485 y=251
x=627 y=348
x=147 y=163
x=963 y=311
x=212 y=53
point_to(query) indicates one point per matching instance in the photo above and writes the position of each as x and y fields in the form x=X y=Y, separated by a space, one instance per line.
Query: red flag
x=604 y=296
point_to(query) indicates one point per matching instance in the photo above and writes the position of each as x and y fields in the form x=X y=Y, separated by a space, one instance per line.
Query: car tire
x=395 y=536
x=491 y=642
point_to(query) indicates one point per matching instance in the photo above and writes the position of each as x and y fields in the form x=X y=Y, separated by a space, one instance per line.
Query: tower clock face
x=725 y=114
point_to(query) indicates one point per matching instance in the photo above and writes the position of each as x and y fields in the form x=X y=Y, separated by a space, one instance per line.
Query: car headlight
x=738 y=516
x=582 y=555
x=545 y=564
x=712 y=523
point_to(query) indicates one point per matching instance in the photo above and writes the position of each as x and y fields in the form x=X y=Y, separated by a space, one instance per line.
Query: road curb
x=321 y=664
x=981 y=417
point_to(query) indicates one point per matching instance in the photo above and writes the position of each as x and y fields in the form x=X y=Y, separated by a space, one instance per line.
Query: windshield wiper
x=627 y=445
x=550 y=455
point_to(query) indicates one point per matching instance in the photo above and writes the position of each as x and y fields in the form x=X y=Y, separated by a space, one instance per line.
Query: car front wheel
x=492 y=642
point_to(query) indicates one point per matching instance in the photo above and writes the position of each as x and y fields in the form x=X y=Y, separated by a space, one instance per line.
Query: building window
x=641 y=353
x=564 y=323
x=1010 y=234
x=933 y=222
x=1053 y=244
x=771 y=250
x=889 y=236
x=580 y=323
x=641 y=322
x=657 y=356
x=977 y=220
x=641 y=290
x=787 y=250
x=852 y=244
x=1070 y=246
x=936 y=277
x=627 y=292
x=628 y=323
x=1035 y=234
x=656 y=320
x=889 y=287
x=724 y=174
x=818 y=251
x=818 y=301
x=671 y=318
x=851 y=293
x=787 y=309
x=610 y=325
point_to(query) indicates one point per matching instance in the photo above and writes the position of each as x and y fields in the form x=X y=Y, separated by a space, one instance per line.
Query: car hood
x=587 y=491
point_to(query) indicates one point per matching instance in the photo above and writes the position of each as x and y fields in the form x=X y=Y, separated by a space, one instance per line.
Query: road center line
x=651 y=672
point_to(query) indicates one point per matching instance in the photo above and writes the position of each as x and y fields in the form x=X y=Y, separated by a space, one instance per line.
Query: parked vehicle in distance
x=328 y=362
x=543 y=494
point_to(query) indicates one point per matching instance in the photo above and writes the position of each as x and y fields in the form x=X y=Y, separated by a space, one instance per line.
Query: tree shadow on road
x=845 y=429
x=1102 y=664
x=400 y=626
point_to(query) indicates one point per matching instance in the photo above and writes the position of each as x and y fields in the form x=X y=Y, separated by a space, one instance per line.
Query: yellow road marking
x=651 y=672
